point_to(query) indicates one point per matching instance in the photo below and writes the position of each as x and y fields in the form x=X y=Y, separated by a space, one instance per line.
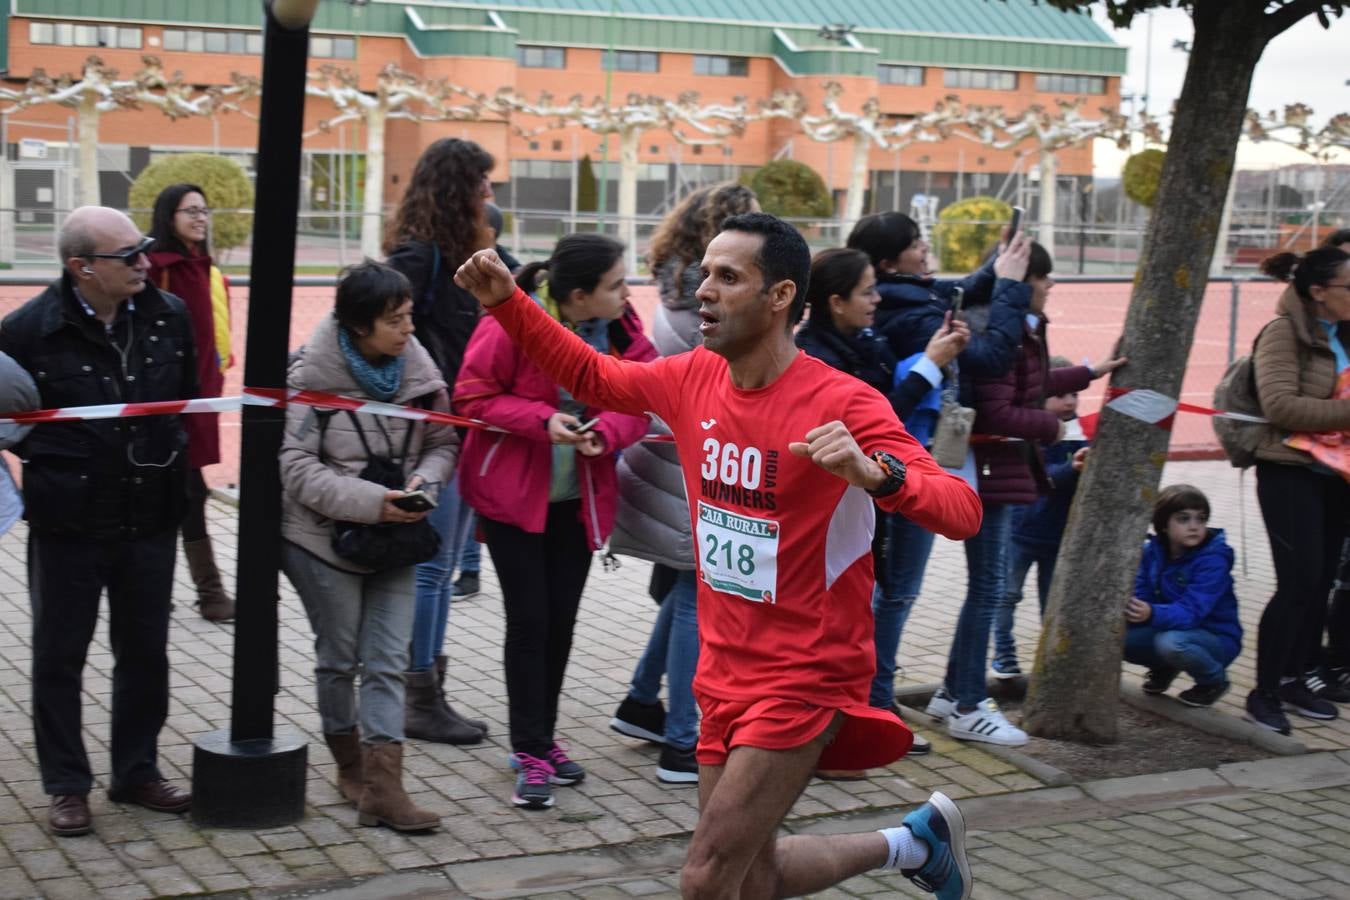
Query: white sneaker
x=941 y=706
x=985 y=723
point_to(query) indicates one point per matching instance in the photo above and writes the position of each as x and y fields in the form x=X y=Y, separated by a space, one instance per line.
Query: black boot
x=450 y=710
x=425 y=718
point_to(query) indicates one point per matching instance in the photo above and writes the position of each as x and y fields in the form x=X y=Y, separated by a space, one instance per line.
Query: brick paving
x=620 y=808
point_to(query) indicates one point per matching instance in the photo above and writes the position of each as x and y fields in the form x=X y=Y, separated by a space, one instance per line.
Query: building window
x=541 y=57
x=195 y=40
x=635 y=61
x=344 y=48
x=1071 y=84
x=321 y=46
x=721 y=65
x=980 y=79
x=908 y=76
x=69 y=35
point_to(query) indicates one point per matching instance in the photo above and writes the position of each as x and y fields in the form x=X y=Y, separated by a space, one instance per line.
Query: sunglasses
x=128 y=256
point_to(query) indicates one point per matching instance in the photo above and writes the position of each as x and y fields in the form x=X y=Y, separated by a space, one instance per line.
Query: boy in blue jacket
x=1183 y=615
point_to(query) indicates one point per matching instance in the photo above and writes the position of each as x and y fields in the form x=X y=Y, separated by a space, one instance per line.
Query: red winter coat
x=189 y=278
x=506 y=477
x=1013 y=406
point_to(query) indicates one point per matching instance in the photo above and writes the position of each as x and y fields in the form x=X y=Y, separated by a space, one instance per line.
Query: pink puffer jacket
x=506 y=477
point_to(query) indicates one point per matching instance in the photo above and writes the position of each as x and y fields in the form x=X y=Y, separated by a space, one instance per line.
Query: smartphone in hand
x=414 y=501
x=1016 y=222
x=584 y=427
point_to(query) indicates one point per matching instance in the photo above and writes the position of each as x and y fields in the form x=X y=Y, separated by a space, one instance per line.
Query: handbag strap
x=951 y=386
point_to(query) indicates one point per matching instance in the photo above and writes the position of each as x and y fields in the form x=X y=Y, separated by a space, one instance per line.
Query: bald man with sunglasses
x=103 y=500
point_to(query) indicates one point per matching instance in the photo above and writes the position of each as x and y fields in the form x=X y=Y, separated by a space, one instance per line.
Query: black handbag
x=382 y=546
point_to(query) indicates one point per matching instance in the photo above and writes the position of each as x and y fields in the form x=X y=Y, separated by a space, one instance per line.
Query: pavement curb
x=1211 y=721
x=1043 y=772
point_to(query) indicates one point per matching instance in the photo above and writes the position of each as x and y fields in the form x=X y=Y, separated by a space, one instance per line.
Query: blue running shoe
x=938 y=824
x=532 y=784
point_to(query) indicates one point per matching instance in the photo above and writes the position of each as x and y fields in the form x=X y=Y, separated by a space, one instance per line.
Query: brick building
x=907 y=53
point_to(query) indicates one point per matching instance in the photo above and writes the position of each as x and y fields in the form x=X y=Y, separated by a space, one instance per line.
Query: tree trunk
x=372 y=202
x=1075 y=684
x=87 y=123
x=1049 y=167
x=628 y=178
x=857 y=181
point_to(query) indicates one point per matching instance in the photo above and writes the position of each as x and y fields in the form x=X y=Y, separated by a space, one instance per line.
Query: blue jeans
x=901 y=565
x=471 y=554
x=1021 y=557
x=986 y=580
x=1201 y=654
x=672 y=650
x=451 y=519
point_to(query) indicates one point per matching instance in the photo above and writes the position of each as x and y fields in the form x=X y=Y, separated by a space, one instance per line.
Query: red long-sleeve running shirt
x=783 y=547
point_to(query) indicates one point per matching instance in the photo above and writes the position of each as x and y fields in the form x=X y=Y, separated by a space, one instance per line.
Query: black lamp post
x=249 y=777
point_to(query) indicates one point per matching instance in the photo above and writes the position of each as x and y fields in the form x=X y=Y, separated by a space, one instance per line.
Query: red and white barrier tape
x=249 y=397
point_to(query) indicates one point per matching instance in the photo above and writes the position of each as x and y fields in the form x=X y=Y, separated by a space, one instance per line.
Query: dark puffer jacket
x=106 y=478
x=867 y=357
x=912 y=309
x=1013 y=407
x=444 y=314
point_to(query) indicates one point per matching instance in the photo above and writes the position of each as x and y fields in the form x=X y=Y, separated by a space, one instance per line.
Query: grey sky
x=1307 y=63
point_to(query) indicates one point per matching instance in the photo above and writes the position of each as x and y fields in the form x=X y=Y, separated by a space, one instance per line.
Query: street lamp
x=837 y=34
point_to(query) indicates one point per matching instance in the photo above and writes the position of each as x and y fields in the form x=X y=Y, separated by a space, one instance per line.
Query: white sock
x=906 y=851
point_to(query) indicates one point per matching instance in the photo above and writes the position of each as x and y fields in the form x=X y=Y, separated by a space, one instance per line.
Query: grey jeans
x=360 y=622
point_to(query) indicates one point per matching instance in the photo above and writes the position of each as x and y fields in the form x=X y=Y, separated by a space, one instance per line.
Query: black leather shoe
x=69 y=814
x=161 y=796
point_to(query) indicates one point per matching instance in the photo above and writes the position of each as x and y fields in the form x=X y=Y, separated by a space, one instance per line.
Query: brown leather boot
x=346 y=749
x=215 y=605
x=383 y=801
x=424 y=714
x=441 y=663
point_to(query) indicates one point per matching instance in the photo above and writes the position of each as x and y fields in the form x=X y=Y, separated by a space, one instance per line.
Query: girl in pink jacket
x=545 y=489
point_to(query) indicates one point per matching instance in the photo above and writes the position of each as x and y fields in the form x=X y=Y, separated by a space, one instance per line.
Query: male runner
x=782 y=458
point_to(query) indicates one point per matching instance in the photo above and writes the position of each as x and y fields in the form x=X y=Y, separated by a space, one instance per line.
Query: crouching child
x=1183 y=616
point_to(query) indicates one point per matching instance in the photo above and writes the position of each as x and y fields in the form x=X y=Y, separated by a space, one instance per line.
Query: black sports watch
x=895 y=474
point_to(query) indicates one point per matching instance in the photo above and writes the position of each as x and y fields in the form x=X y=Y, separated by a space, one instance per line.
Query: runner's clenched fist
x=486 y=277
x=833 y=448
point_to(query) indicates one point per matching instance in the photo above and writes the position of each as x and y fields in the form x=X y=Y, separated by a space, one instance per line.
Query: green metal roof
x=1015 y=34
x=974 y=18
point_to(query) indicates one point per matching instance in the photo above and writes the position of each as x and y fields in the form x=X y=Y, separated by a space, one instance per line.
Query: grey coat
x=18 y=393
x=316 y=492
x=653 y=516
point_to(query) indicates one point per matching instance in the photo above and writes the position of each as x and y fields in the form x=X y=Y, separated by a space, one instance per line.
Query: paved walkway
x=620 y=809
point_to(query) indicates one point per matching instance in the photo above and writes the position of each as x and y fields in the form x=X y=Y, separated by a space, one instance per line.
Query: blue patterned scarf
x=380 y=382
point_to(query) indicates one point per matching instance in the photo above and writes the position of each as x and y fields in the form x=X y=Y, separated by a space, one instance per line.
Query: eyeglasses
x=195 y=212
x=1342 y=285
x=128 y=256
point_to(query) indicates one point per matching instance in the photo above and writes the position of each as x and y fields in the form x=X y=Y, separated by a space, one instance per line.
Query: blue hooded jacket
x=912 y=308
x=1195 y=591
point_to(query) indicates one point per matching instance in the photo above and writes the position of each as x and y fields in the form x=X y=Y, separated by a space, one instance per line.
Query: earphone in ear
x=86 y=270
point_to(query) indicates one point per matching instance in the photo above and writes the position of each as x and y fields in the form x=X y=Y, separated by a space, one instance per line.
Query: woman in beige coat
x=1298 y=358
x=362 y=619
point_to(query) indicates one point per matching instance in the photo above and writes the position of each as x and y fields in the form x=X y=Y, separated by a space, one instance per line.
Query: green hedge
x=967 y=230
x=225 y=183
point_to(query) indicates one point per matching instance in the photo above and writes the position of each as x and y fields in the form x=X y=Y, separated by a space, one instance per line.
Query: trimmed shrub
x=1141 y=175
x=967 y=230
x=791 y=189
x=225 y=183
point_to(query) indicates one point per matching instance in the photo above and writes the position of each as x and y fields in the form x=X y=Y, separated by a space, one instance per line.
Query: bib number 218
x=720 y=554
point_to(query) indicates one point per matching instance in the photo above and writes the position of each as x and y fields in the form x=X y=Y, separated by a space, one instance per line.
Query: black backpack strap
x=359 y=433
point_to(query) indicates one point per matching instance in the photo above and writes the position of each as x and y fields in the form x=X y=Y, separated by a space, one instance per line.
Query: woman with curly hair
x=676 y=250
x=439 y=223
x=652 y=522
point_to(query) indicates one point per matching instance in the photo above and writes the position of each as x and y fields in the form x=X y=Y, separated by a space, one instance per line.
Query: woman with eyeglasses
x=180 y=263
x=1301 y=367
